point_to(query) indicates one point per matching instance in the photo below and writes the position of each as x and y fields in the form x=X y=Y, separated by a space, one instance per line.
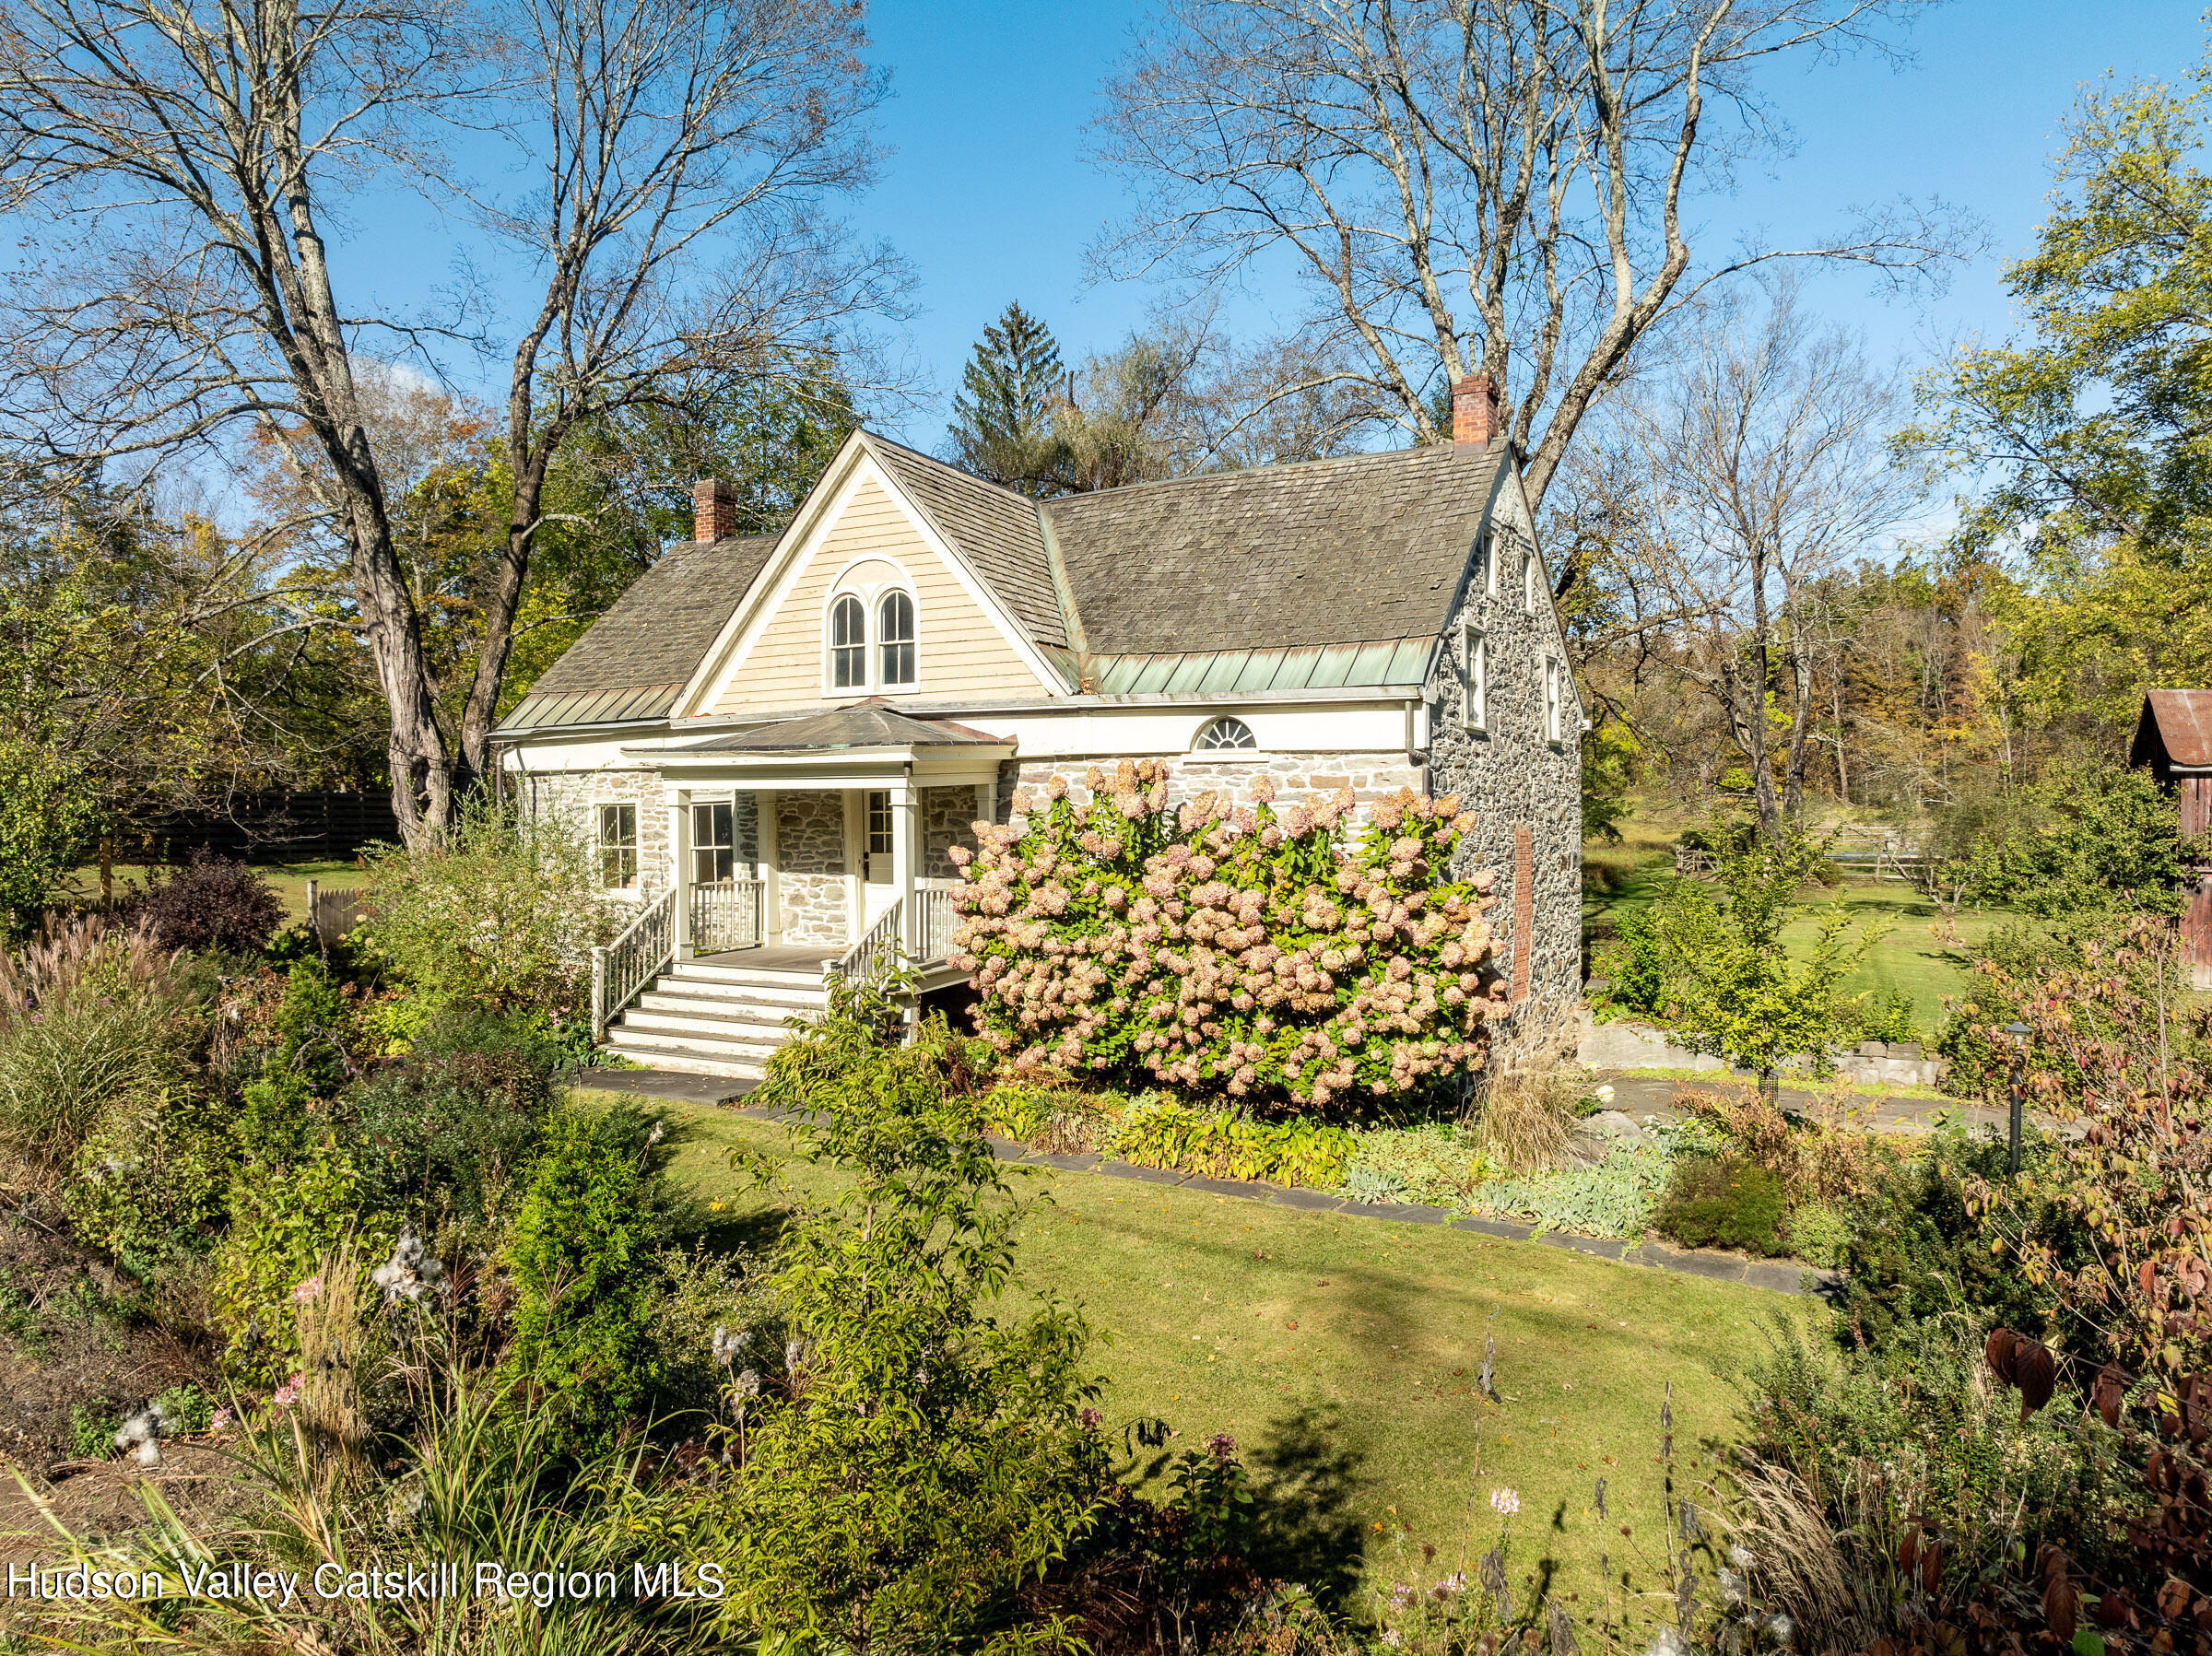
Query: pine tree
x=1003 y=419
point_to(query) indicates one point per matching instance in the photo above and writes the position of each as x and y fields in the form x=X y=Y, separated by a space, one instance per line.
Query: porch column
x=679 y=866
x=986 y=801
x=902 y=866
x=764 y=831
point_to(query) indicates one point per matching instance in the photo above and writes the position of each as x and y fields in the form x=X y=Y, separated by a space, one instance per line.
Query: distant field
x=1618 y=880
x=289 y=879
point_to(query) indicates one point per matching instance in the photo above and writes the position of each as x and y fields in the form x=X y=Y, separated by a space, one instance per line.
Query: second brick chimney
x=1473 y=412
x=713 y=509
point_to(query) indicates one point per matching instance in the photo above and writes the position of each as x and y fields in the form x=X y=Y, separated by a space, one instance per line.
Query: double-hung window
x=895 y=638
x=714 y=859
x=619 y=847
x=848 y=645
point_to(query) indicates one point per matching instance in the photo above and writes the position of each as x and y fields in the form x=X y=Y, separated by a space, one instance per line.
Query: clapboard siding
x=961 y=653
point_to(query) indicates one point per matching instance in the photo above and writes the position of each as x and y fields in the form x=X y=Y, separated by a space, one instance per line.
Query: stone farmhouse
x=773 y=743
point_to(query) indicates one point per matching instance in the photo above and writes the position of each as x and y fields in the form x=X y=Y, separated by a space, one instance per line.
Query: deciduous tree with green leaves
x=1737 y=993
x=2097 y=424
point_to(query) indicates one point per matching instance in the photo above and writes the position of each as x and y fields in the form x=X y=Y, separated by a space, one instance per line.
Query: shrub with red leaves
x=214 y=903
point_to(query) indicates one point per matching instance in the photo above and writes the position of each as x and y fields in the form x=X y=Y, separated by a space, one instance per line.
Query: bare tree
x=1732 y=489
x=1492 y=185
x=190 y=155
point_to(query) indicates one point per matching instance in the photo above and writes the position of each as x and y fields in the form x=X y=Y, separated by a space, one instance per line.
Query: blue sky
x=988 y=192
x=989 y=196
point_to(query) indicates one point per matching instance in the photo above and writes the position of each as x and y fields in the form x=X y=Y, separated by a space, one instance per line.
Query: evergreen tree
x=1003 y=419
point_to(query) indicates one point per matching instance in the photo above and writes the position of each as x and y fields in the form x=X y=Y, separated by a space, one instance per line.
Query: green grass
x=1342 y=1353
x=290 y=878
x=1619 y=880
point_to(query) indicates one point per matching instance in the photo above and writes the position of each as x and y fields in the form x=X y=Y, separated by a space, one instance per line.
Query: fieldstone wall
x=1524 y=789
x=810 y=850
x=947 y=819
x=1304 y=778
x=574 y=797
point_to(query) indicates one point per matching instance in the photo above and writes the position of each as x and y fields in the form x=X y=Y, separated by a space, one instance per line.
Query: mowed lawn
x=1920 y=952
x=1342 y=1354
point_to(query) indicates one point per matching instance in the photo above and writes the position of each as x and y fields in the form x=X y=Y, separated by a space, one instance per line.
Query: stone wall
x=1524 y=789
x=947 y=819
x=574 y=797
x=810 y=848
x=1302 y=778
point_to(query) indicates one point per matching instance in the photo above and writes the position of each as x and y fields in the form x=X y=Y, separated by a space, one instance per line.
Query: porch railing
x=935 y=922
x=726 y=916
x=884 y=942
x=622 y=968
x=878 y=946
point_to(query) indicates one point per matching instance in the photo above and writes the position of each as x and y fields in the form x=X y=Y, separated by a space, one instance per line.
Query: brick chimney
x=713 y=509
x=1473 y=412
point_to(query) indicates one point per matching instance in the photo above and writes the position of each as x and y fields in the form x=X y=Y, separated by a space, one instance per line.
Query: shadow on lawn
x=1305 y=1476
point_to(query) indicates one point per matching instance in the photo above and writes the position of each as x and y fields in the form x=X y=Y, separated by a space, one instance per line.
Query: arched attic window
x=848 y=644
x=895 y=638
x=1224 y=734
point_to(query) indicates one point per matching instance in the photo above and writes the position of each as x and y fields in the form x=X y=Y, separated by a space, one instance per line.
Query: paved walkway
x=1781 y=1277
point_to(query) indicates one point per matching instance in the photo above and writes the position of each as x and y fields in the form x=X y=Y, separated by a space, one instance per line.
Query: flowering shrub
x=1229 y=944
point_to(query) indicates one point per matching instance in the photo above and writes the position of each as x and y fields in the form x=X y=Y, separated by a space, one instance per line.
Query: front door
x=878 y=880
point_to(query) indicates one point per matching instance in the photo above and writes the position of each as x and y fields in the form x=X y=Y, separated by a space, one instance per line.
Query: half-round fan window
x=1225 y=733
x=848 y=644
x=894 y=634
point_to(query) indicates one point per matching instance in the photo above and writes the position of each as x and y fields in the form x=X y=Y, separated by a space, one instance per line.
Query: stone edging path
x=1776 y=1275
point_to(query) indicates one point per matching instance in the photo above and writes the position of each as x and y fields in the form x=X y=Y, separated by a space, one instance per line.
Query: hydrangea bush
x=1230 y=947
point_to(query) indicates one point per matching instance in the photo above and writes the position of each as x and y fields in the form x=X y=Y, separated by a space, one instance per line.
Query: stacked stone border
x=1708 y=1262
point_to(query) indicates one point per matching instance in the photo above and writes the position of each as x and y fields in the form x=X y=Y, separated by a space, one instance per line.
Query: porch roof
x=867 y=726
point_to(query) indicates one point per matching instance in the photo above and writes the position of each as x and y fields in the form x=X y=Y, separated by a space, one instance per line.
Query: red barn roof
x=2174 y=733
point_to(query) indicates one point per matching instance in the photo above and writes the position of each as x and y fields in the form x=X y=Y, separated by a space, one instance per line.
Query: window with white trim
x=1490 y=567
x=1474 y=676
x=714 y=859
x=1528 y=582
x=1554 y=700
x=879 y=823
x=619 y=847
x=848 y=644
x=1223 y=734
x=895 y=639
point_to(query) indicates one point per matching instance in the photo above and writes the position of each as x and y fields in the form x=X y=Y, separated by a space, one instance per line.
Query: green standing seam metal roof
x=1229 y=584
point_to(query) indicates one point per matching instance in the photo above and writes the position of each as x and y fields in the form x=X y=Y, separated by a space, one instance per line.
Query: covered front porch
x=807 y=849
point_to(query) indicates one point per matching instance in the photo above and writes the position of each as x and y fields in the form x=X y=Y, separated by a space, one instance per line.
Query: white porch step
x=763 y=978
x=712 y=1044
x=690 y=1064
x=709 y=1026
x=678 y=998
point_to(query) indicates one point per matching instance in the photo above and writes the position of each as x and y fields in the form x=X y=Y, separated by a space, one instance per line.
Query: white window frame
x=1199 y=734
x=1474 y=676
x=1489 y=565
x=1555 y=700
x=1528 y=581
x=832 y=650
x=616 y=848
x=871 y=600
x=885 y=643
x=713 y=851
x=880 y=822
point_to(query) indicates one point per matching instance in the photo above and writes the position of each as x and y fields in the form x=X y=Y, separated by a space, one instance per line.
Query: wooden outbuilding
x=2174 y=738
